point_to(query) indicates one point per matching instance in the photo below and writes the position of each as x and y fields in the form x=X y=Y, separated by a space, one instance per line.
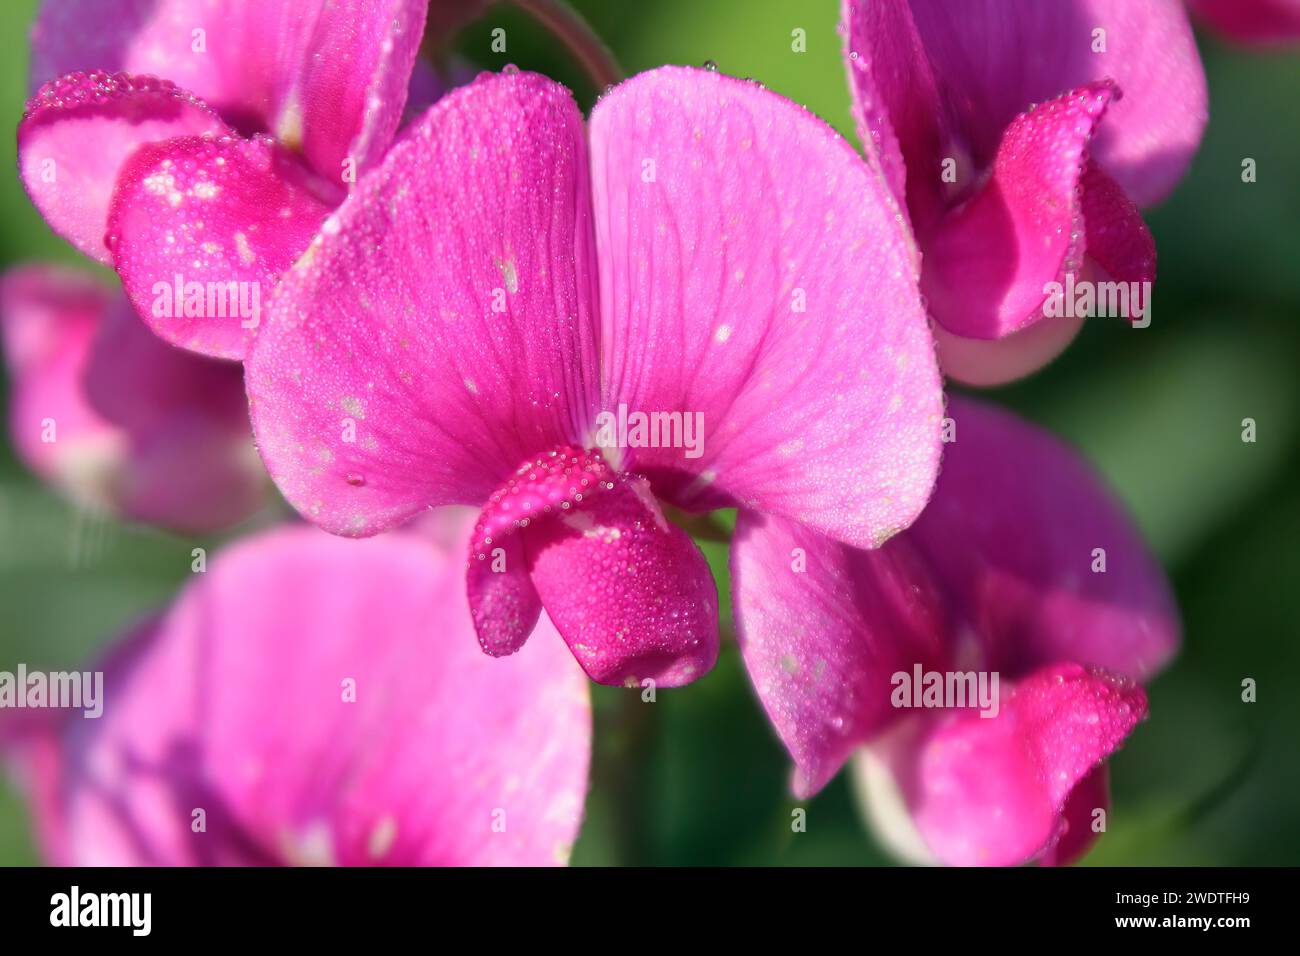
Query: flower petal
x=988 y=263
x=49 y=317
x=1001 y=56
x=991 y=791
x=823 y=627
x=753 y=273
x=193 y=215
x=327 y=78
x=323 y=701
x=629 y=592
x=1015 y=531
x=442 y=332
x=116 y=418
x=79 y=130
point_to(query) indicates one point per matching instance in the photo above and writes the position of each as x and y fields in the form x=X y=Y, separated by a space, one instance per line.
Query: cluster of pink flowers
x=457 y=285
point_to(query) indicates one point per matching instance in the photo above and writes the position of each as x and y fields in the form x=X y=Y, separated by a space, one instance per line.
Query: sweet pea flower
x=208 y=141
x=1021 y=138
x=1022 y=566
x=1255 y=22
x=507 y=283
x=117 y=419
x=309 y=700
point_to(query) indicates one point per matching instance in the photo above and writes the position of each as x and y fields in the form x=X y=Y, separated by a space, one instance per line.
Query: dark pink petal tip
x=630 y=593
x=78 y=131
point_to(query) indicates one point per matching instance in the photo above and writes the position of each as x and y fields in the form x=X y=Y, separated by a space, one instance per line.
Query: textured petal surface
x=1013 y=533
x=988 y=262
x=822 y=628
x=630 y=592
x=994 y=58
x=752 y=271
x=77 y=132
x=991 y=791
x=502 y=598
x=327 y=78
x=201 y=229
x=1117 y=239
x=441 y=334
x=323 y=701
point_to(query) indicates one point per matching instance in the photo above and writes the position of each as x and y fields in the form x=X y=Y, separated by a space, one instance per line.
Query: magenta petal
x=116 y=418
x=79 y=130
x=991 y=791
x=328 y=79
x=193 y=215
x=323 y=701
x=1079 y=817
x=997 y=57
x=823 y=627
x=987 y=263
x=1118 y=240
x=752 y=272
x=629 y=592
x=502 y=598
x=1252 y=21
x=1017 y=524
x=49 y=318
x=442 y=333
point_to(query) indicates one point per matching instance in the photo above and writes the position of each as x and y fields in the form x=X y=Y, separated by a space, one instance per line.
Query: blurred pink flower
x=309 y=700
x=504 y=277
x=1000 y=574
x=1258 y=22
x=1000 y=127
x=222 y=170
x=114 y=417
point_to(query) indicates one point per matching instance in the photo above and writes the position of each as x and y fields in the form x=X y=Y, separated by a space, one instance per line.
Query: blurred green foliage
x=699 y=777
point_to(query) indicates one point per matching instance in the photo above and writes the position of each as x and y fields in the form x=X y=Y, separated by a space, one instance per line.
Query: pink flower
x=1022 y=566
x=313 y=701
x=1259 y=22
x=114 y=417
x=506 y=285
x=221 y=171
x=1021 y=137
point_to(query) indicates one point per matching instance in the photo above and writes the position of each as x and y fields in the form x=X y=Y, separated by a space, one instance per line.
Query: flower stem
x=588 y=49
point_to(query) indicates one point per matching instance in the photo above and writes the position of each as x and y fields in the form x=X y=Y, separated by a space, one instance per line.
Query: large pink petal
x=201 y=229
x=1013 y=532
x=327 y=78
x=992 y=59
x=988 y=262
x=992 y=791
x=237 y=703
x=823 y=627
x=1252 y=21
x=79 y=130
x=752 y=272
x=444 y=322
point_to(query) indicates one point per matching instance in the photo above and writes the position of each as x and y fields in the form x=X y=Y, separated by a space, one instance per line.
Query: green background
x=699 y=777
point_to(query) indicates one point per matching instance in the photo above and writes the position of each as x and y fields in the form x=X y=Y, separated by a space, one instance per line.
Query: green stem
x=586 y=46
